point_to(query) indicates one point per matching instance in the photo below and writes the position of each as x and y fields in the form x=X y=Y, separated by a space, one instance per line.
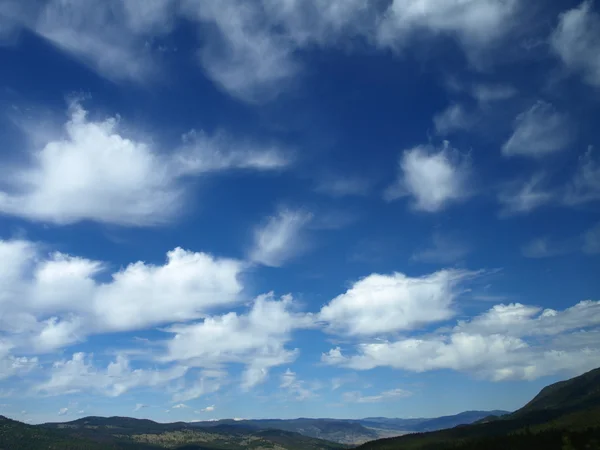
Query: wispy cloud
x=358 y=397
x=445 y=249
x=576 y=40
x=280 y=238
x=539 y=131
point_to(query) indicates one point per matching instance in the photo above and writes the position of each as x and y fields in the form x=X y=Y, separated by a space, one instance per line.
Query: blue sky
x=296 y=208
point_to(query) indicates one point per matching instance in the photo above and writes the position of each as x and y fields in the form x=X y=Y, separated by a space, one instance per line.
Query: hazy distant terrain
x=356 y=431
x=563 y=416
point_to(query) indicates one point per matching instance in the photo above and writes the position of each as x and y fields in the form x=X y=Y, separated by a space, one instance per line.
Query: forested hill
x=124 y=433
x=563 y=416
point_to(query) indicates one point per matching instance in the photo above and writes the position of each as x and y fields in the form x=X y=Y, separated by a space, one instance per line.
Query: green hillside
x=563 y=416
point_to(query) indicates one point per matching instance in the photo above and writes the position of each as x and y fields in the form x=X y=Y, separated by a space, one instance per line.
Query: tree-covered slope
x=563 y=416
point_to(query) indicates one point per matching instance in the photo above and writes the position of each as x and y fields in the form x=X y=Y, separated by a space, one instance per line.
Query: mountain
x=124 y=433
x=353 y=431
x=428 y=424
x=577 y=393
x=341 y=431
x=17 y=435
x=563 y=416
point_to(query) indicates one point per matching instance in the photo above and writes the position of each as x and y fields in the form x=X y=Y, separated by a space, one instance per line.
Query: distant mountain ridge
x=355 y=431
x=95 y=433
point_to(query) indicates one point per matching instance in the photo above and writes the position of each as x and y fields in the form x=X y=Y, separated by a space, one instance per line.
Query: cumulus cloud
x=380 y=303
x=80 y=375
x=358 y=397
x=280 y=238
x=433 y=177
x=53 y=300
x=96 y=173
x=576 y=40
x=63 y=411
x=539 y=131
x=256 y=339
x=507 y=342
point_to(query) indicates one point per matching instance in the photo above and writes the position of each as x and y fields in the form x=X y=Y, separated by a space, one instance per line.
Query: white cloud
x=180 y=406
x=242 y=53
x=250 y=49
x=453 y=118
x=544 y=248
x=343 y=186
x=585 y=185
x=519 y=198
x=63 y=411
x=55 y=300
x=112 y=37
x=93 y=174
x=433 y=177
x=386 y=303
x=210 y=408
x=204 y=385
x=96 y=173
x=296 y=387
x=288 y=379
x=576 y=41
x=520 y=320
x=507 y=342
x=13 y=366
x=256 y=339
x=487 y=93
x=539 y=131
x=253 y=53
x=80 y=375
x=475 y=23
x=582 y=188
x=591 y=240
x=202 y=153
x=444 y=249
x=358 y=397
x=280 y=238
